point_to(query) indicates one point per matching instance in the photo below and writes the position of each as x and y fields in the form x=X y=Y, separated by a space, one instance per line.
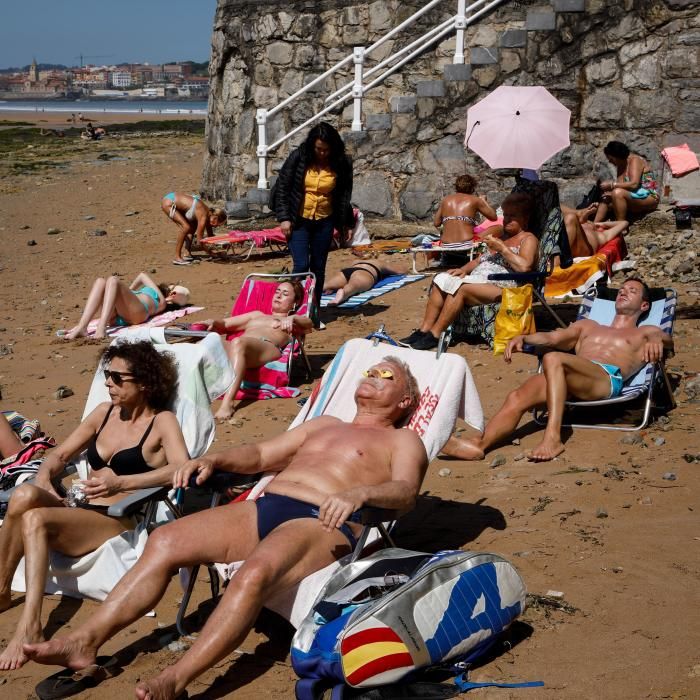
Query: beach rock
x=444 y=472
x=24 y=227
x=658 y=441
x=692 y=387
x=516 y=441
x=53 y=231
x=178 y=645
x=669 y=476
x=497 y=461
x=519 y=457
x=131 y=213
x=5 y=350
x=578 y=482
x=617 y=569
x=97 y=232
x=691 y=459
x=503 y=475
x=601 y=513
x=89 y=217
x=31 y=242
x=63 y=392
x=632 y=439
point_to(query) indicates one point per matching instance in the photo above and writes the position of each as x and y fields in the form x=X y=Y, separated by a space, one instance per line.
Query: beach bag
x=381 y=619
x=515 y=316
x=683 y=217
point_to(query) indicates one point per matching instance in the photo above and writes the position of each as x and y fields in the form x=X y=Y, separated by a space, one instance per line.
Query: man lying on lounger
x=328 y=469
x=604 y=357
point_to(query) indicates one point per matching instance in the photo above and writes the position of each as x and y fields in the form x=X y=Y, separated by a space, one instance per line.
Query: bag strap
x=465 y=686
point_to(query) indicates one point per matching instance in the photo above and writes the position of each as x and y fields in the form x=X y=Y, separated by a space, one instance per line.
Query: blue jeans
x=309 y=246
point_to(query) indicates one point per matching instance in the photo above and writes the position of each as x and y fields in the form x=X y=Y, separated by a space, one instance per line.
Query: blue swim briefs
x=616 y=380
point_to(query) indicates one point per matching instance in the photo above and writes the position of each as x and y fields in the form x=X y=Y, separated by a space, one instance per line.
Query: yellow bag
x=515 y=316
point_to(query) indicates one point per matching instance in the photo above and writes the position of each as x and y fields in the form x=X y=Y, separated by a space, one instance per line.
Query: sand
x=599 y=524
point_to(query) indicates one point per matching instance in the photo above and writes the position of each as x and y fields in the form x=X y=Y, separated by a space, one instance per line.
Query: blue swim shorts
x=616 y=380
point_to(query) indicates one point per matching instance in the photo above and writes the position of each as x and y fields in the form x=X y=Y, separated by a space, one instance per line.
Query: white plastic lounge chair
x=599 y=305
x=447 y=392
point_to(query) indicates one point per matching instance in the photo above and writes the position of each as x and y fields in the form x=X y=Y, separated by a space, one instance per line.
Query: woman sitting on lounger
x=129 y=441
x=359 y=278
x=586 y=237
x=468 y=285
x=120 y=305
x=263 y=339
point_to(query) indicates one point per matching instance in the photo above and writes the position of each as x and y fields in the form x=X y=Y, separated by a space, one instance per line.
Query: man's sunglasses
x=118 y=378
x=377 y=373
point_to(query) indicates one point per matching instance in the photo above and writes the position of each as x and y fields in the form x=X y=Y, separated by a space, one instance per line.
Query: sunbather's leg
x=623 y=202
x=72 y=531
x=244 y=353
x=10 y=444
x=92 y=306
x=291 y=552
x=185 y=228
x=579 y=243
x=466 y=295
x=119 y=299
x=196 y=539
x=600 y=234
x=436 y=300
x=566 y=375
x=24 y=498
x=360 y=281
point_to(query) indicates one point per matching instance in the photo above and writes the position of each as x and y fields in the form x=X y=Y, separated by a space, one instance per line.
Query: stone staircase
x=430 y=109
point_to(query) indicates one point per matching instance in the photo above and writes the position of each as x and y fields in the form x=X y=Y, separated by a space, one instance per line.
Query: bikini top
x=465 y=218
x=128 y=461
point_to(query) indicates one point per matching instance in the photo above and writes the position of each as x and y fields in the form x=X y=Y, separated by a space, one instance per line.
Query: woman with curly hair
x=130 y=442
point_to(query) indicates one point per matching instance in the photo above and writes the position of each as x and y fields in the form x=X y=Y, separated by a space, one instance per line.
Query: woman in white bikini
x=194 y=219
x=263 y=339
x=119 y=305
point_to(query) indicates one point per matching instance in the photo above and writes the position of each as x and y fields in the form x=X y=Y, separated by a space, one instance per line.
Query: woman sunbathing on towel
x=468 y=285
x=586 y=237
x=130 y=441
x=360 y=277
x=263 y=339
x=120 y=305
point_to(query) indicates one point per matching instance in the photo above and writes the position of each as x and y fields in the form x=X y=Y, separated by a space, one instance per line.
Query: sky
x=134 y=31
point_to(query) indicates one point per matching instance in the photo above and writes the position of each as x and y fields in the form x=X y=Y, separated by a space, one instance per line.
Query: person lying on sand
x=263 y=339
x=360 y=277
x=586 y=237
x=120 y=305
x=10 y=444
x=328 y=469
x=604 y=357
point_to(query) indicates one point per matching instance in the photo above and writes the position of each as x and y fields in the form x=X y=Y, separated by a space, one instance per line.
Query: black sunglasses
x=118 y=378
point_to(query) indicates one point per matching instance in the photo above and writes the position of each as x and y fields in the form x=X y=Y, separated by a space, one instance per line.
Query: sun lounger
x=242 y=244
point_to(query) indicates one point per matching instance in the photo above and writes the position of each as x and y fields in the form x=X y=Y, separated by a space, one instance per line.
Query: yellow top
x=318 y=186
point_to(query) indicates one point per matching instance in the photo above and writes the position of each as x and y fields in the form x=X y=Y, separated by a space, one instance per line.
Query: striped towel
x=26 y=429
x=388 y=284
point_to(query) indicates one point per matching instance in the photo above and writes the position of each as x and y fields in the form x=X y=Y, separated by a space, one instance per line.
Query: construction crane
x=82 y=56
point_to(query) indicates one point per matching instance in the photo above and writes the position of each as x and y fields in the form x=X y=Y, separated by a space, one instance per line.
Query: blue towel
x=388 y=284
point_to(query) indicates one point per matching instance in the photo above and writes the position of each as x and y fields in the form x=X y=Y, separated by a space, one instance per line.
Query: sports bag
x=380 y=619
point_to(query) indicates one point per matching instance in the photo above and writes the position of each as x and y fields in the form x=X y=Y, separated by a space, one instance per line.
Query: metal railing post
x=460 y=26
x=358 y=57
x=261 y=119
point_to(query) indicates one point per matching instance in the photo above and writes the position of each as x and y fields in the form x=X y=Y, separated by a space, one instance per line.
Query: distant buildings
x=132 y=80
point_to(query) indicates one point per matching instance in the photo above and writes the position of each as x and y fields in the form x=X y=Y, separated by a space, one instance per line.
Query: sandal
x=67 y=682
x=183 y=261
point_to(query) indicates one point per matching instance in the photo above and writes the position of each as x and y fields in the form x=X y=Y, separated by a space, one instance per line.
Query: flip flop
x=183 y=262
x=66 y=683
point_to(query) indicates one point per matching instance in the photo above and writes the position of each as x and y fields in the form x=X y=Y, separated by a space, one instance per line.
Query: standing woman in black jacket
x=312 y=197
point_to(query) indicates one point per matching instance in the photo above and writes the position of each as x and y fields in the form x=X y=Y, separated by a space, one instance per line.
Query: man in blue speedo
x=604 y=357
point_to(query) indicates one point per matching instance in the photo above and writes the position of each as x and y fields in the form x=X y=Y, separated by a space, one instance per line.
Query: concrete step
x=569 y=5
x=430 y=88
x=403 y=104
x=454 y=72
x=237 y=209
x=541 y=19
x=378 y=122
x=483 y=56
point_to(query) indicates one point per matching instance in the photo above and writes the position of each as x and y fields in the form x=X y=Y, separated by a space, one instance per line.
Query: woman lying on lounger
x=360 y=277
x=119 y=305
x=130 y=441
x=468 y=285
x=586 y=237
x=263 y=339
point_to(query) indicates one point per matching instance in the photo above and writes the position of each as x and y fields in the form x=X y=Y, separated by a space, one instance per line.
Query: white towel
x=451 y=283
x=204 y=373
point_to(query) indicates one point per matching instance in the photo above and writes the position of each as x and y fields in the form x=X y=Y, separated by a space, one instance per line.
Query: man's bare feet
x=68 y=652
x=463 y=449
x=224 y=413
x=160 y=688
x=548 y=449
x=13 y=656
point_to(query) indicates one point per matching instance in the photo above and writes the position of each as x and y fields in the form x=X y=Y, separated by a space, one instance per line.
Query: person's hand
x=215 y=325
x=286 y=227
x=495 y=245
x=202 y=467
x=338 y=507
x=287 y=324
x=43 y=482
x=606 y=185
x=653 y=351
x=457 y=272
x=103 y=483
x=514 y=345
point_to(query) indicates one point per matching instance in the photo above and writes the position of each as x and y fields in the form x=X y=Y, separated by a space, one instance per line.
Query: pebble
x=555 y=594
x=691 y=459
x=503 y=475
x=63 y=392
x=97 y=232
x=601 y=513
x=89 y=217
x=519 y=457
x=131 y=213
x=498 y=461
x=128 y=230
x=516 y=441
x=444 y=472
x=632 y=439
x=178 y=645
x=53 y=231
x=31 y=241
x=617 y=569
x=24 y=227
x=669 y=476
x=578 y=482
x=646 y=501
x=658 y=441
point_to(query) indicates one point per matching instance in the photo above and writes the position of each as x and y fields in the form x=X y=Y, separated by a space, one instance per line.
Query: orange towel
x=577 y=278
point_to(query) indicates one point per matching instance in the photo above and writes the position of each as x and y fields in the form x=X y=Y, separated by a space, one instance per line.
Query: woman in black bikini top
x=360 y=277
x=141 y=383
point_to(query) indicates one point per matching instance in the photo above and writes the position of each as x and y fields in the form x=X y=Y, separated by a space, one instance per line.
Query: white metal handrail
x=357 y=88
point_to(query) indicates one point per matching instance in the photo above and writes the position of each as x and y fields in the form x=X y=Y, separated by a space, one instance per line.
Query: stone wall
x=628 y=70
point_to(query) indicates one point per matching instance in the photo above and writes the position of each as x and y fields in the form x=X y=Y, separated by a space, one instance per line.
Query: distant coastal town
x=180 y=80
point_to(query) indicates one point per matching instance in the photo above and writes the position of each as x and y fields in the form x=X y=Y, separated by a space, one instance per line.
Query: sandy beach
x=600 y=524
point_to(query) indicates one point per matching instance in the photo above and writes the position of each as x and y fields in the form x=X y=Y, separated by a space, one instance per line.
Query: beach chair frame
x=644 y=385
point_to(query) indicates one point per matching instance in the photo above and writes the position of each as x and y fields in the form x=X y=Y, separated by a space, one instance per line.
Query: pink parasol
x=517 y=127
